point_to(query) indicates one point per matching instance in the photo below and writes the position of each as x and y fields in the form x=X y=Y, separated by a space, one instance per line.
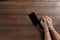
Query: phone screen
x=35 y=20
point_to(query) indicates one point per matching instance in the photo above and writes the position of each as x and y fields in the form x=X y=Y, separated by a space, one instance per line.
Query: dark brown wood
x=28 y=7
x=30 y=0
x=15 y=23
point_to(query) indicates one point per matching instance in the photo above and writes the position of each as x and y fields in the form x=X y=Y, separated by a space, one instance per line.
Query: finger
x=41 y=21
x=48 y=18
x=44 y=19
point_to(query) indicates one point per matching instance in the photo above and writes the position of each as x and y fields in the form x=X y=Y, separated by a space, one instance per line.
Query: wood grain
x=15 y=23
x=24 y=8
x=30 y=0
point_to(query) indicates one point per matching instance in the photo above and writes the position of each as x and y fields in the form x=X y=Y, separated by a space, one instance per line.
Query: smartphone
x=35 y=21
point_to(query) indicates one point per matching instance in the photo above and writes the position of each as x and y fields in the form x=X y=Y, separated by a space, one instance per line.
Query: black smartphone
x=35 y=21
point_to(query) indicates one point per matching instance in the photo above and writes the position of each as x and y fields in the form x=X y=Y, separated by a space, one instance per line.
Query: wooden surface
x=32 y=0
x=15 y=23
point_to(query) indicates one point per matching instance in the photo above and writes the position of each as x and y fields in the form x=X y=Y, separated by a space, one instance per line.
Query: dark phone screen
x=34 y=19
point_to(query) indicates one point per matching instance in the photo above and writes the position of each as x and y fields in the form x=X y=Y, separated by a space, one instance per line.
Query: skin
x=54 y=33
x=46 y=22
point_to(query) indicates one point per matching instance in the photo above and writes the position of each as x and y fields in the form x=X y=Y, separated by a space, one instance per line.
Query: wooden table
x=15 y=23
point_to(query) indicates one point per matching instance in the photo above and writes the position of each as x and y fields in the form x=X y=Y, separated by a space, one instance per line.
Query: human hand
x=44 y=22
x=49 y=22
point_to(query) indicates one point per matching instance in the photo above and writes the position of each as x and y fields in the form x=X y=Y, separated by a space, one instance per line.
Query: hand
x=49 y=22
x=44 y=22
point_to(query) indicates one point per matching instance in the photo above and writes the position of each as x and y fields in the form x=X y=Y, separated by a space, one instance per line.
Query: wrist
x=45 y=29
x=51 y=27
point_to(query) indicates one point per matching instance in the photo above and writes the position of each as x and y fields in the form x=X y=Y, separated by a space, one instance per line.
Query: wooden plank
x=29 y=3
x=15 y=23
x=16 y=34
x=22 y=33
x=6 y=20
x=3 y=0
x=18 y=21
x=28 y=7
x=14 y=18
x=19 y=33
x=21 y=19
x=7 y=34
x=30 y=0
x=28 y=33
